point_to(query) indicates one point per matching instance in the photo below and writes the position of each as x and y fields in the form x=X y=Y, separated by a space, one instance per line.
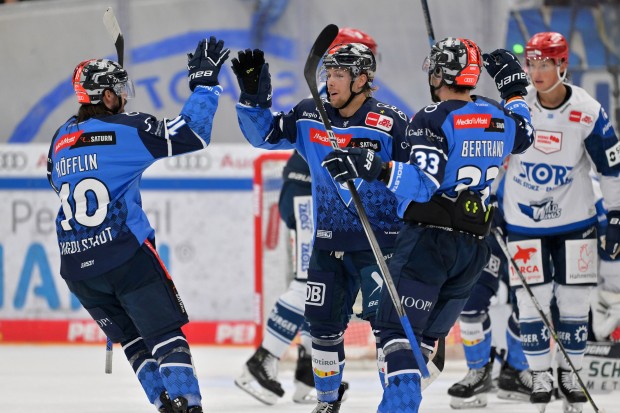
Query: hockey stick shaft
x=108 y=356
x=320 y=47
x=114 y=30
x=428 y=22
x=542 y=314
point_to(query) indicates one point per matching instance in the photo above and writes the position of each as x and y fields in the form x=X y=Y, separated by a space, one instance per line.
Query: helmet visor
x=125 y=89
x=428 y=65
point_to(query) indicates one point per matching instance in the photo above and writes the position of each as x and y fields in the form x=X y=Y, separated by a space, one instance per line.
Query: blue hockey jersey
x=376 y=125
x=96 y=167
x=459 y=145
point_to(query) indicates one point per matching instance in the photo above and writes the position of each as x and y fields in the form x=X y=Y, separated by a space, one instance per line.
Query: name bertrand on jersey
x=485 y=148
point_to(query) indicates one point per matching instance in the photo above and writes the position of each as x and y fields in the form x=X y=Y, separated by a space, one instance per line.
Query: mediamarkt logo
x=67 y=140
x=472 y=121
x=320 y=136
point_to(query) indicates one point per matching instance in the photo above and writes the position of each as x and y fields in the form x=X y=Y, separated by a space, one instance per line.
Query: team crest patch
x=379 y=121
x=548 y=141
x=581 y=117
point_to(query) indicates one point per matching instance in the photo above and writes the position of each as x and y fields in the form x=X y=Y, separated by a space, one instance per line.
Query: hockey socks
x=176 y=368
x=402 y=394
x=285 y=319
x=476 y=338
x=146 y=369
x=515 y=356
x=327 y=365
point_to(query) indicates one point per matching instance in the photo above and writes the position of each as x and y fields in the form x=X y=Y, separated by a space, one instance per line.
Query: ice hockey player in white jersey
x=550 y=215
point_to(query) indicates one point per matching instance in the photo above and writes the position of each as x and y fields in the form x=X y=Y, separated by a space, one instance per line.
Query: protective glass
x=125 y=89
x=428 y=65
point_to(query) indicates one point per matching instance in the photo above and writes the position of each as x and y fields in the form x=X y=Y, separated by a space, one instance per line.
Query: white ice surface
x=71 y=379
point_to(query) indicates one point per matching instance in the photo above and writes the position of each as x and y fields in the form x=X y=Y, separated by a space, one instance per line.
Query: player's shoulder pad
x=138 y=120
x=438 y=112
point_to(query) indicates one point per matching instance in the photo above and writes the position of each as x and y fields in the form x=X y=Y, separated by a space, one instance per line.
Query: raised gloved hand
x=506 y=71
x=253 y=76
x=353 y=163
x=205 y=63
x=612 y=235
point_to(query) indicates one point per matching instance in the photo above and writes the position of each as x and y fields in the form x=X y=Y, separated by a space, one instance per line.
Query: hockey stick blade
x=114 y=30
x=436 y=364
x=319 y=48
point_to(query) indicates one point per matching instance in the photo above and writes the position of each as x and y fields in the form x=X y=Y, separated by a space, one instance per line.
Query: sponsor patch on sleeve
x=379 y=121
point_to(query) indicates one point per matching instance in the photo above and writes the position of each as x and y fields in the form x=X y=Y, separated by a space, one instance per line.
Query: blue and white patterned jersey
x=376 y=125
x=96 y=167
x=548 y=188
x=459 y=145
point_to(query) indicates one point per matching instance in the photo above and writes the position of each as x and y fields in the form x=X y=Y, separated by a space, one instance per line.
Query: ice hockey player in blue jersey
x=342 y=261
x=107 y=246
x=550 y=215
x=479 y=328
x=458 y=145
x=259 y=377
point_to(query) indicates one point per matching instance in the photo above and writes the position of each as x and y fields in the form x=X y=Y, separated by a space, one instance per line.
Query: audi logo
x=13 y=161
x=189 y=162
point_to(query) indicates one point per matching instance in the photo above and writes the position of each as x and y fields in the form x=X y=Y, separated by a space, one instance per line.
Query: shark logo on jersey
x=543 y=210
x=524 y=254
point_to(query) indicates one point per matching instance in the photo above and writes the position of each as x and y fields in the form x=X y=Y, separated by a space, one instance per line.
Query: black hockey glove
x=205 y=63
x=612 y=236
x=253 y=76
x=506 y=71
x=353 y=163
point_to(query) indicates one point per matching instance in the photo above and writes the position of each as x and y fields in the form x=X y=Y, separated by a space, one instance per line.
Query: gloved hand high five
x=353 y=163
x=506 y=71
x=205 y=63
x=253 y=76
x=612 y=235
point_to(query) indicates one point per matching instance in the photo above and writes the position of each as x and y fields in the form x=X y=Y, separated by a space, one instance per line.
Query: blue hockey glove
x=253 y=76
x=612 y=236
x=353 y=163
x=205 y=63
x=506 y=71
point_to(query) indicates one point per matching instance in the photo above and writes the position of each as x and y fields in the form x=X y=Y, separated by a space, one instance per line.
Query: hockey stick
x=320 y=47
x=545 y=320
x=428 y=23
x=114 y=30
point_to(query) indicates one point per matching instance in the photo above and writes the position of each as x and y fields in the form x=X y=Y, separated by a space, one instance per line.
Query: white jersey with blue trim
x=96 y=168
x=548 y=189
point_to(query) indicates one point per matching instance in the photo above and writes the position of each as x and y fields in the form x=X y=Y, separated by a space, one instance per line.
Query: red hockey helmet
x=547 y=45
x=458 y=60
x=351 y=35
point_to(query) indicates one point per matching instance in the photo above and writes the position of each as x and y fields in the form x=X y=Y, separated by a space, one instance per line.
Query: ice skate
x=542 y=388
x=304 y=378
x=570 y=392
x=259 y=377
x=331 y=407
x=178 y=405
x=514 y=384
x=471 y=392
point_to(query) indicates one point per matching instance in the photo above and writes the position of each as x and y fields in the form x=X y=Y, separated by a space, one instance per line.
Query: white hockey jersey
x=548 y=189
